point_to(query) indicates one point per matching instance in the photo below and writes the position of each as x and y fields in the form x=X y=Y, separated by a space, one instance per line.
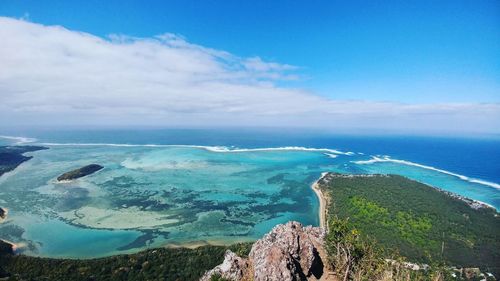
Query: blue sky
x=415 y=61
x=409 y=51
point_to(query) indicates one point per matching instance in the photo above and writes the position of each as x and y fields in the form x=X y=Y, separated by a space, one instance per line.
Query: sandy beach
x=322 y=201
x=4 y=244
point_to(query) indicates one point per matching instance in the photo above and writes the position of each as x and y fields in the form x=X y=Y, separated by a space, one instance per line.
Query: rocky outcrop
x=289 y=252
x=80 y=172
x=233 y=268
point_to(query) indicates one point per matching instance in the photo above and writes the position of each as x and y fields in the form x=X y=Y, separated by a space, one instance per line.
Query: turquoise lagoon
x=156 y=195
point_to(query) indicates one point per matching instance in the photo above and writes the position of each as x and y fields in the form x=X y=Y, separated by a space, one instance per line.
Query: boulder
x=289 y=252
x=233 y=268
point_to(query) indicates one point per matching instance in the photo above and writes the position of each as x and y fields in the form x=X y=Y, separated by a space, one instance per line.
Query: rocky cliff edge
x=290 y=251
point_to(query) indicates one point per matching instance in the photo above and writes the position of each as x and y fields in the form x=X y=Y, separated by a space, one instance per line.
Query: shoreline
x=473 y=203
x=3 y=213
x=322 y=201
x=7 y=247
x=322 y=214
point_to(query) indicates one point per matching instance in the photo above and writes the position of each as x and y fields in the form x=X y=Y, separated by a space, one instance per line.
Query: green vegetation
x=156 y=264
x=408 y=219
x=80 y=172
x=217 y=277
x=375 y=223
x=353 y=258
x=409 y=227
x=356 y=258
x=12 y=156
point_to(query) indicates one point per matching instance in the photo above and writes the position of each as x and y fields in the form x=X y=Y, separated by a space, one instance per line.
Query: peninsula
x=422 y=223
x=80 y=172
x=13 y=156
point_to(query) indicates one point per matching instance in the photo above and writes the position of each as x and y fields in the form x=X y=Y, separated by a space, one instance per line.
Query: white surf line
x=331 y=155
x=220 y=149
x=376 y=159
x=105 y=144
x=284 y=148
x=20 y=140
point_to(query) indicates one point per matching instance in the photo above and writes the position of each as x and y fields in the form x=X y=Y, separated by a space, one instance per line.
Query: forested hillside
x=420 y=222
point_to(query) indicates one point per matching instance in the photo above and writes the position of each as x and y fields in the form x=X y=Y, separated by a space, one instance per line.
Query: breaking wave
x=19 y=140
x=221 y=149
x=377 y=159
x=332 y=153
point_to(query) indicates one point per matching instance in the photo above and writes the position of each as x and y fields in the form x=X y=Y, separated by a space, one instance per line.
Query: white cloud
x=51 y=75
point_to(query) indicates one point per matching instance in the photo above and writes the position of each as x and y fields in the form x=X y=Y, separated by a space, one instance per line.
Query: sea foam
x=333 y=153
x=19 y=140
x=385 y=158
x=284 y=148
x=221 y=149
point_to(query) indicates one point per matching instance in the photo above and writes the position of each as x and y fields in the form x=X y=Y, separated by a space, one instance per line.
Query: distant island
x=377 y=227
x=12 y=156
x=80 y=172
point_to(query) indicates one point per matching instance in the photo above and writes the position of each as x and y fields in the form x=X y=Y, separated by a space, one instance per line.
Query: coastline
x=3 y=214
x=7 y=247
x=473 y=203
x=322 y=201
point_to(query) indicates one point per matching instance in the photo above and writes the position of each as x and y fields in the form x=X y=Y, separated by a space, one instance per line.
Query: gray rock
x=233 y=268
x=289 y=252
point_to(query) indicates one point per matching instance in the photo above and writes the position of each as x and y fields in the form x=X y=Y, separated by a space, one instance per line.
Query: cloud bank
x=53 y=76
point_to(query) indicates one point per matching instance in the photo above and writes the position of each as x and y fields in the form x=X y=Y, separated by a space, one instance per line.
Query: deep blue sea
x=199 y=186
x=474 y=157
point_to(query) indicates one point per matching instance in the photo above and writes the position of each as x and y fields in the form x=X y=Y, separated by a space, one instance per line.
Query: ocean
x=192 y=187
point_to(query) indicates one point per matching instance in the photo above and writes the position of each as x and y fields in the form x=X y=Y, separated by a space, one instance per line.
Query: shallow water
x=149 y=196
